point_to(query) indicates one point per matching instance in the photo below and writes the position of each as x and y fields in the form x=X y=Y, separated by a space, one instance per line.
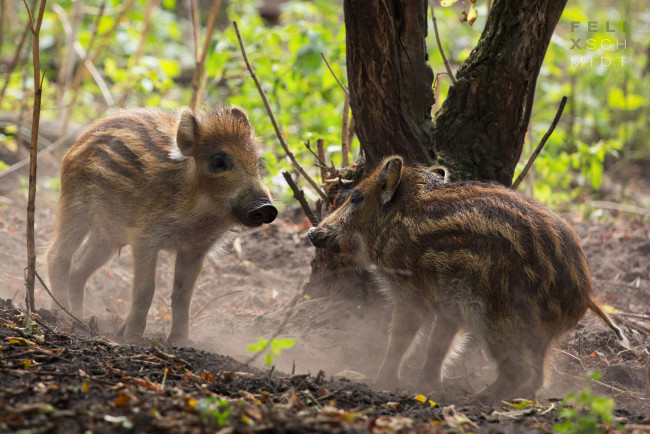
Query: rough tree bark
x=389 y=79
x=479 y=130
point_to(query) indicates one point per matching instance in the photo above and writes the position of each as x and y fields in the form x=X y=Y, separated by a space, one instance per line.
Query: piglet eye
x=218 y=163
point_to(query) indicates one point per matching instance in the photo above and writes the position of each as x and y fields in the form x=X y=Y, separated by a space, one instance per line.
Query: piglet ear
x=188 y=132
x=239 y=113
x=440 y=171
x=389 y=178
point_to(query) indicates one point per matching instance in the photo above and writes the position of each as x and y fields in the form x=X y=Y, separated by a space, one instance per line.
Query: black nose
x=262 y=214
x=317 y=238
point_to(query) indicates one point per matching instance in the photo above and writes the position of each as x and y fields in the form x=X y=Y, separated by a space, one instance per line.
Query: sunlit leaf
x=472 y=15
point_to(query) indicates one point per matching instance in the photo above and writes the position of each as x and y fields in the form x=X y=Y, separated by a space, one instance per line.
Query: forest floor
x=56 y=376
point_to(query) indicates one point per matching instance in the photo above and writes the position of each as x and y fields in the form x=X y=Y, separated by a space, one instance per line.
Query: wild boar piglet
x=155 y=180
x=478 y=257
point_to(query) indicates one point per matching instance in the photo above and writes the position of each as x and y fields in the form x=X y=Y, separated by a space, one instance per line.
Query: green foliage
x=584 y=413
x=273 y=348
x=214 y=410
x=605 y=117
x=609 y=101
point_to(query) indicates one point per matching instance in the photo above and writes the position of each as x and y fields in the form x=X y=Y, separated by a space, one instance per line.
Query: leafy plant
x=273 y=348
x=585 y=413
x=214 y=410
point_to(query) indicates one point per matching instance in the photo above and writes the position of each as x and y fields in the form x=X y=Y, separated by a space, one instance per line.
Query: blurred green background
x=599 y=57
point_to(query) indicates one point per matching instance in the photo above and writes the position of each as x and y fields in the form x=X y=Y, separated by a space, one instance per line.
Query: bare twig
x=194 y=17
x=17 y=55
x=61 y=140
x=345 y=89
x=300 y=197
x=633 y=315
x=351 y=133
x=70 y=30
x=273 y=121
x=321 y=158
x=33 y=154
x=345 y=134
x=620 y=207
x=133 y=61
x=541 y=144
x=3 y=7
x=151 y=6
x=442 y=52
x=196 y=315
x=73 y=88
x=319 y=162
x=599 y=383
x=197 y=82
x=77 y=320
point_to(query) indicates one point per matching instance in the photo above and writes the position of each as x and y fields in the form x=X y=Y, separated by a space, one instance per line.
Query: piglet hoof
x=385 y=383
x=179 y=340
x=484 y=398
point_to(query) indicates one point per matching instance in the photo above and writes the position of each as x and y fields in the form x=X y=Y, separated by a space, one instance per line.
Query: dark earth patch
x=74 y=381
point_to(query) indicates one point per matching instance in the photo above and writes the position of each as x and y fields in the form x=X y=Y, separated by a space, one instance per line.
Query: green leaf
x=617 y=99
x=170 y=67
x=447 y=3
x=604 y=406
x=283 y=344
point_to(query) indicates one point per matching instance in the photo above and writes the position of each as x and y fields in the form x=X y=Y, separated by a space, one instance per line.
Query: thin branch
x=17 y=55
x=151 y=6
x=61 y=140
x=608 y=386
x=320 y=147
x=633 y=315
x=273 y=121
x=33 y=156
x=194 y=14
x=196 y=315
x=198 y=84
x=94 y=73
x=442 y=52
x=620 y=207
x=320 y=162
x=3 y=10
x=345 y=88
x=345 y=134
x=541 y=144
x=300 y=197
x=59 y=304
x=65 y=71
x=31 y=18
x=77 y=77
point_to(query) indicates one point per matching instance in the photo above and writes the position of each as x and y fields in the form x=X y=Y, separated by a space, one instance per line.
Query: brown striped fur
x=154 y=179
x=481 y=257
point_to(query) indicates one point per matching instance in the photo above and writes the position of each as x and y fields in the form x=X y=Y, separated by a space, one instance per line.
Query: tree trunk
x=390 y=81
x=480 y=128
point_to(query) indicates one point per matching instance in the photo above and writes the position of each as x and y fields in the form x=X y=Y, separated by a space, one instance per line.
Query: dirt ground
x=73 y=380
